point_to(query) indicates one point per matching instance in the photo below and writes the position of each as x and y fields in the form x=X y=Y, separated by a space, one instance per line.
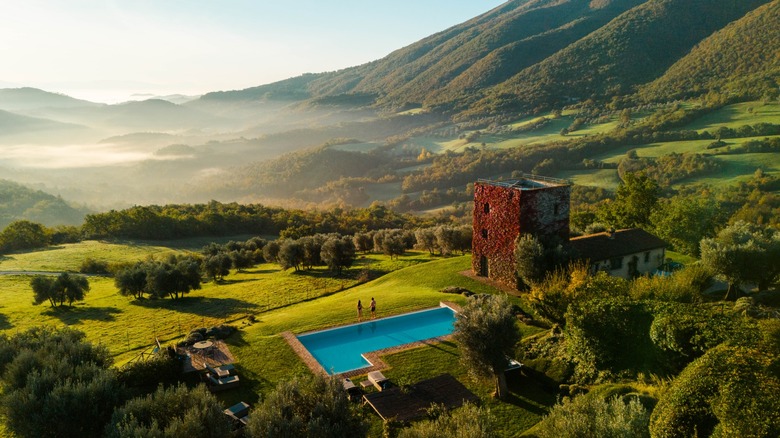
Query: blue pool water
x=339 y=350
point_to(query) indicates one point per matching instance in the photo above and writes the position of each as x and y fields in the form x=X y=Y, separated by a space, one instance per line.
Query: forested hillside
x=528 y=55
x=742 y=58
x=19 y=202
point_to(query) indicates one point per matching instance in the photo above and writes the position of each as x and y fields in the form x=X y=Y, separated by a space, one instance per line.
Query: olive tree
x=58 y=290
x=307 y=406
x=486 y=332
x=744 y=253
x=171 y=412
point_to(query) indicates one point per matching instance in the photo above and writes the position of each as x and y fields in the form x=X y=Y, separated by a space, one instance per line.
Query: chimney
x=611 y=234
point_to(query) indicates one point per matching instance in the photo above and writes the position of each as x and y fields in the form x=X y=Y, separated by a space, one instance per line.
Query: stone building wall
x=502 y=213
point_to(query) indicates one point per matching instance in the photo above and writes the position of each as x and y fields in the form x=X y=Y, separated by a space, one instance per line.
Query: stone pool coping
x=373 y=357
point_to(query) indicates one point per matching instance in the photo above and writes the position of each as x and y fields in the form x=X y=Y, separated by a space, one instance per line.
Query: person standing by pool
x=373 y=308
x=360 y=311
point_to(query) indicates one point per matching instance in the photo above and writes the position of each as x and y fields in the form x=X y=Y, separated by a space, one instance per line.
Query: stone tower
x=504 y=210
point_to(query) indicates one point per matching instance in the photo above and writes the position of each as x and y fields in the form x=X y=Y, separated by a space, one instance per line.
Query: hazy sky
x=107 y=50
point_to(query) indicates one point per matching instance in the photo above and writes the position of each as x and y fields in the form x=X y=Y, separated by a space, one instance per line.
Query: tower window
x=555 y=209
x=484 y=233
x=486 y=207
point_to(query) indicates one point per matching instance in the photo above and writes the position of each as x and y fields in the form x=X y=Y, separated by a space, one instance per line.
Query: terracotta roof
x=600 y=246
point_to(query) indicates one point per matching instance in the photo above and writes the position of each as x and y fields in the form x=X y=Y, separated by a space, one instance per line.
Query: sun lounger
x=378 y=380
x=238 y=410
x=221 y=384
x=353 y=391
x=238 y=413
x=513 y=365
x=220 y=372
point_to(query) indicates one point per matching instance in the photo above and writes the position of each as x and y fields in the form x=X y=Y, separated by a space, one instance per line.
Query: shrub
x=468 y=421
x=176 y=411
x=730 y=391
x=589 y=415
x=313 y=406
x=92 y=266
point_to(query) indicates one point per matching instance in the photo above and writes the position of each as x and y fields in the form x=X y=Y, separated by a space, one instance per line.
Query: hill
x=741 y=56
x=527 y=54
x=22 y=99
x=20 y=202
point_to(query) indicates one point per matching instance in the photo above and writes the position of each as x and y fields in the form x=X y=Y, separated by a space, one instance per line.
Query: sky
x=110 y=50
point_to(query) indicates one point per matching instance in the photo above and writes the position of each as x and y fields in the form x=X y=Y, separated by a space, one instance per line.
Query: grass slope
x=280 y=301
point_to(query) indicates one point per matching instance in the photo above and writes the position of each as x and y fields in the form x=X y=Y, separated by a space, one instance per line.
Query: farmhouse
x=536 y=205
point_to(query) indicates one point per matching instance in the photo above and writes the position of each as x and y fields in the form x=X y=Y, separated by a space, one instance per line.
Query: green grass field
x=279 y=301
x=737 y=167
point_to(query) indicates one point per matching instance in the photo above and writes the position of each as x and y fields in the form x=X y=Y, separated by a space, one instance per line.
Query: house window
x=616 y=263
x=486 y=207
x=647 y=257
x=484 y=233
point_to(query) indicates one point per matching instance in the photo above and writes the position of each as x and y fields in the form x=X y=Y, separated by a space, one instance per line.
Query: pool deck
x=373 y=357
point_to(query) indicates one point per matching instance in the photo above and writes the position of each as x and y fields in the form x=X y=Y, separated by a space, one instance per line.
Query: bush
x=730 y=391
x=589 y=415
x=468 y=421
x=53 y=381
x=161 y=368
x=313 y=406
x=609 y=336
x=176 y=411
x=92 y=266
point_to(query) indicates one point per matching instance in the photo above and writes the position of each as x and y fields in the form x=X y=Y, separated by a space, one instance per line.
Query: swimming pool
x=339 y=350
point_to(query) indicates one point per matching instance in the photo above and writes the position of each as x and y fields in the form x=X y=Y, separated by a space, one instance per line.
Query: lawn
x=734 y=116
x=279 y=301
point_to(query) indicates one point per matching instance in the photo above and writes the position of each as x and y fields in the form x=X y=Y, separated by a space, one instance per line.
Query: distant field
x=733 y=116
x=69 y=257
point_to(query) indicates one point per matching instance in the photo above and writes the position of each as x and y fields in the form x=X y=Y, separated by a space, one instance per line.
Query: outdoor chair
x=220 y=372
x=238 y=413
x=378 y=379
x=221 y=384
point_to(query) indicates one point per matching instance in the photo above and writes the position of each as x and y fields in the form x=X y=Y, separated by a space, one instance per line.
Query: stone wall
x=501 y=214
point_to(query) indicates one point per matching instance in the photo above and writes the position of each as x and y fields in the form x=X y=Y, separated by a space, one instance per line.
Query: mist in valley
x=153 y=151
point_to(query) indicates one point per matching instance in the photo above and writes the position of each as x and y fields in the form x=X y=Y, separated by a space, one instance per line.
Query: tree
x=72 y=287
x=744 y=253
x=57 y=385
x=684 y=221
x=312 y=248
x=730 y=391
x=446 y=239
x=307 y=406
x=364 y=242
x=291 y=254
x=131 y=281
x=174 y=277
x=465 y=236
x=217 y=266
x=23 y=234
x=390 y=242
x=486 y=333
x=426 y=239
x=43 y=290
x=171 y=412
x=468 y=421
x=635 y=198
x=529 y=259
x=240 y=259
x=589 y=415
x=57 y=291
x=271 y=251
x=338 y=253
